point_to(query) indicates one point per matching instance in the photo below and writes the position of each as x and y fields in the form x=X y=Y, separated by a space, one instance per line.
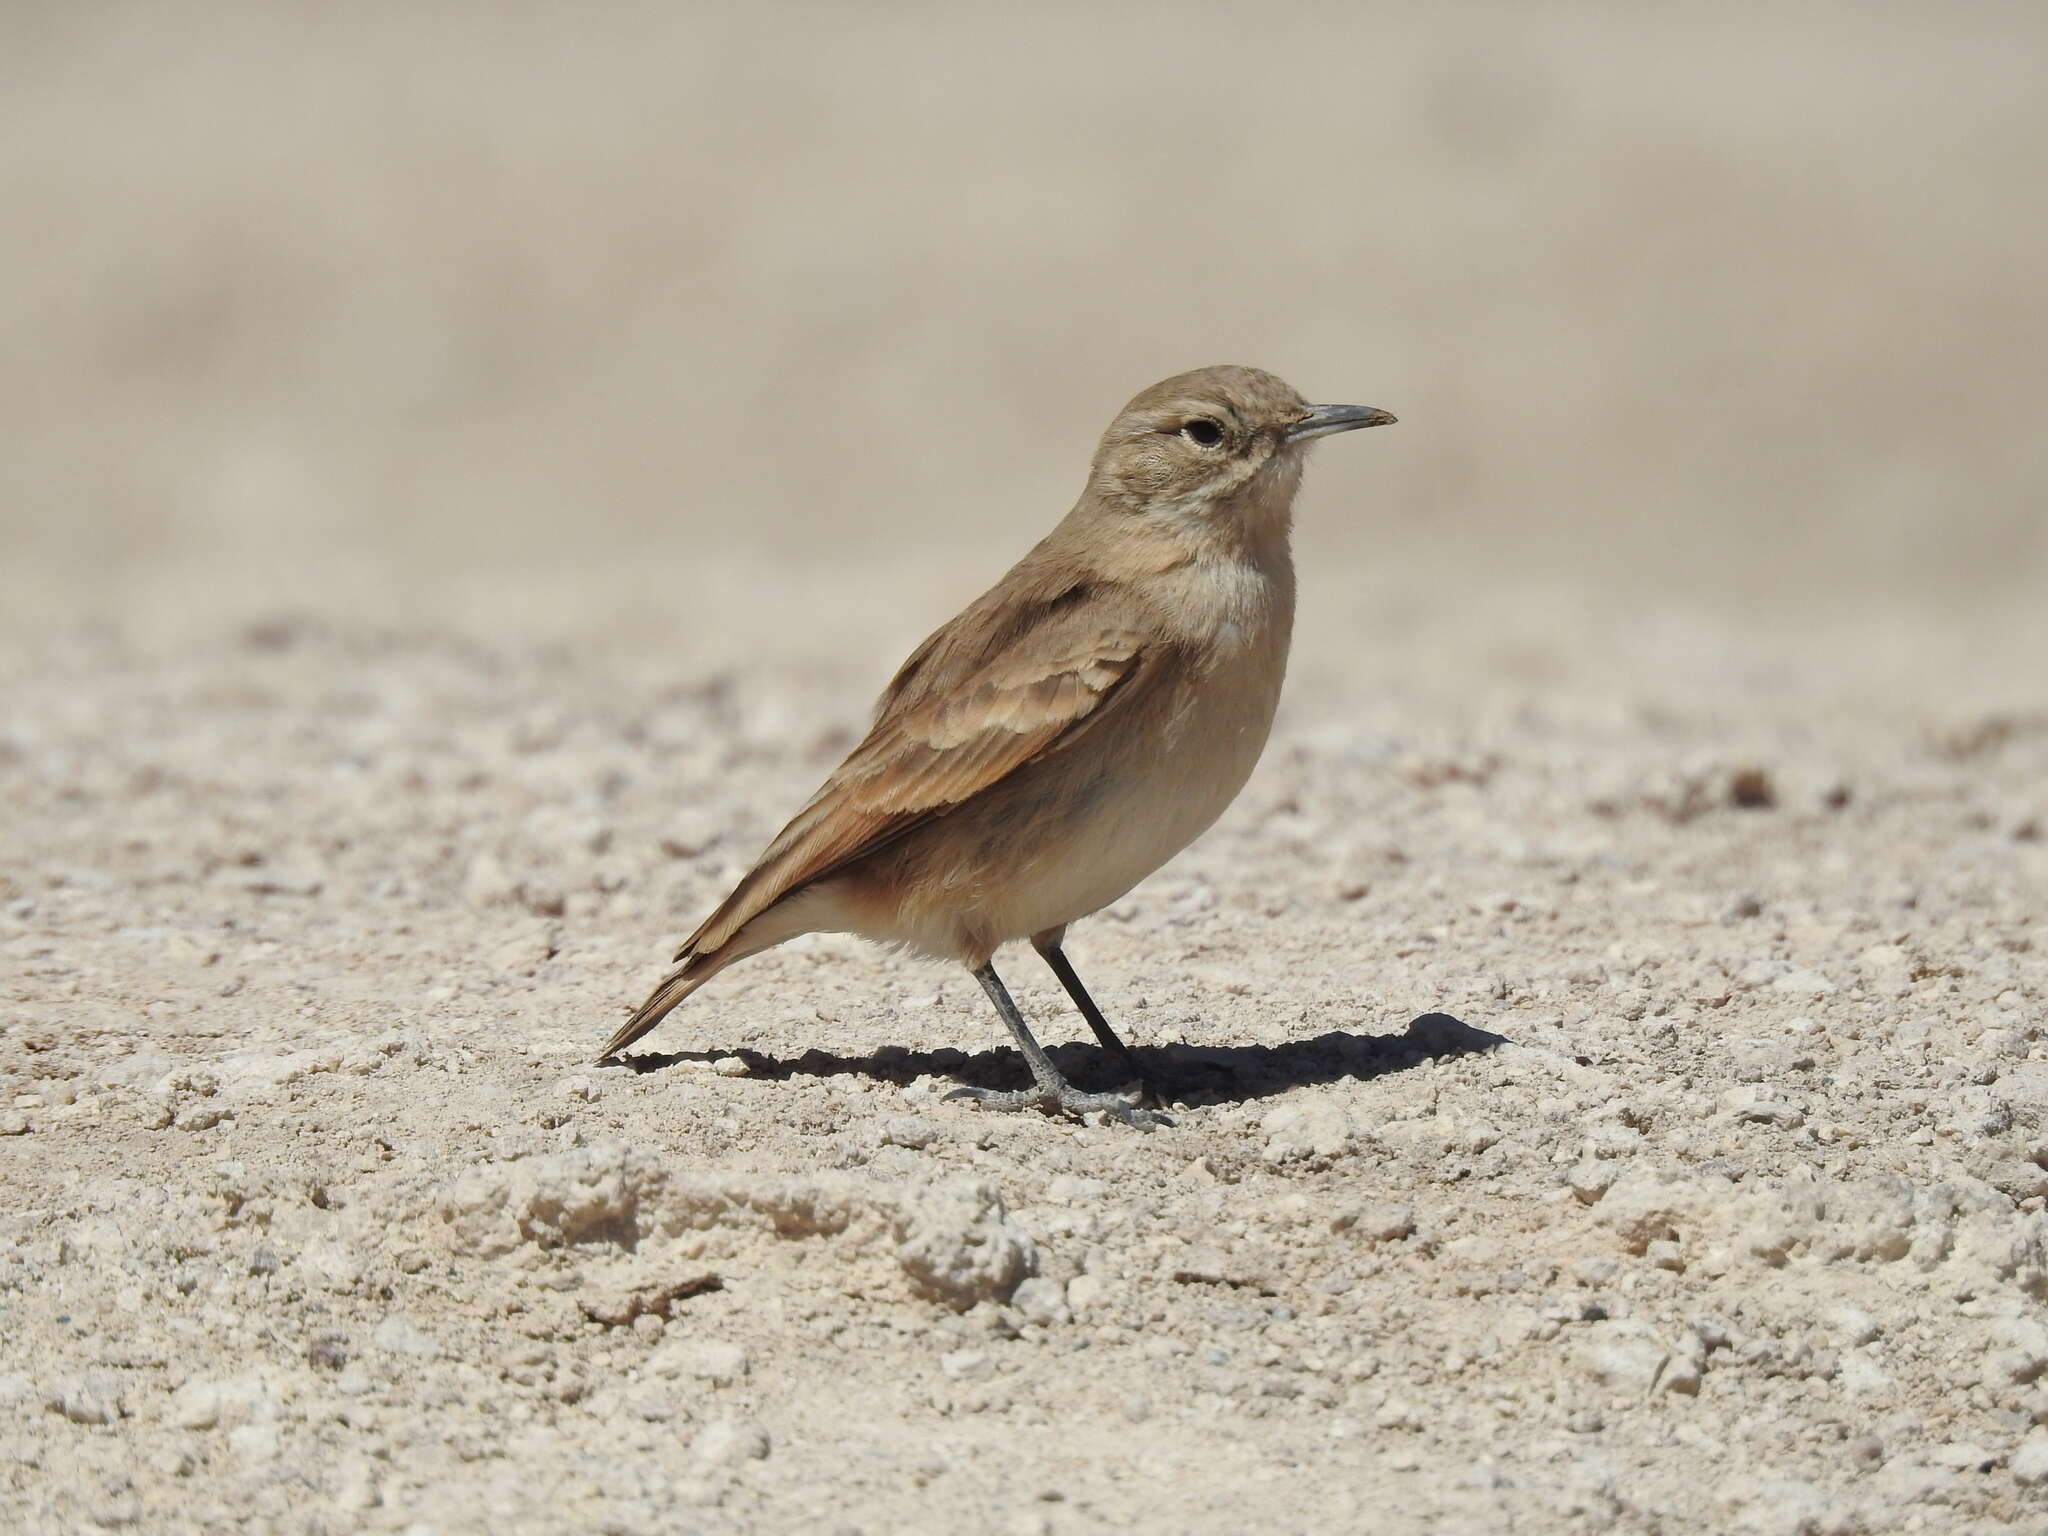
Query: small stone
x=1803 y=983
x=967 y=1365
x=1314 y=1127
x=1751 y=789
x=2029 y=1463
x=13 y=1123
x=1590 y=1179
x=1962 y=1456
x=1041 y=1300
x=712 y=1360
x=1760 y=1104
x=85 y=1402
x=1624 y=1354
x=727 y=1442
x=731 y=1066
x=1681 y=1375
x=199 y=1117
x=397 y=1334
x=1378 y=1222
x=909 y=1131
x=1598 y=1270
x=1087 y=1293
x=226 y=1403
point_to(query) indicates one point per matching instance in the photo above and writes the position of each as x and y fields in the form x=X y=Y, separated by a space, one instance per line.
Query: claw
x=1065 y=1100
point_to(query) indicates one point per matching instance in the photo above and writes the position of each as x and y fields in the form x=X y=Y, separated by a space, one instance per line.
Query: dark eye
x=1202 y=432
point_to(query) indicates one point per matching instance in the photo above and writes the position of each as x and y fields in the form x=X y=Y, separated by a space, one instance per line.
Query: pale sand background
x=468 y=466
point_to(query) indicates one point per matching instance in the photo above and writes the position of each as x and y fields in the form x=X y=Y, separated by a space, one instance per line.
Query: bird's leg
x=1049 y=1091
x=1048 y=947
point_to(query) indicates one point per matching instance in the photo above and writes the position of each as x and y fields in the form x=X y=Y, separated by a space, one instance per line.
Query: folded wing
x=966 y=712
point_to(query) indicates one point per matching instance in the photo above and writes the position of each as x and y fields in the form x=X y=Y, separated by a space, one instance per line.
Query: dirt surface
x=469 y=467
x=1613 y=1100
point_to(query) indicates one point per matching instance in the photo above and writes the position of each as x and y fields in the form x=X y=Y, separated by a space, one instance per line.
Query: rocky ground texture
x=1612 y=1100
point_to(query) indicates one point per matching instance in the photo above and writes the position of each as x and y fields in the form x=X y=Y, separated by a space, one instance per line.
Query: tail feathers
x=677 y=985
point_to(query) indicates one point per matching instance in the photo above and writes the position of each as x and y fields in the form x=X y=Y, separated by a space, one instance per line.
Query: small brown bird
x=1067 y=734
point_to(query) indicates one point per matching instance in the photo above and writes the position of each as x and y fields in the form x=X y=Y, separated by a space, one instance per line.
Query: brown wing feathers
x=965 y=712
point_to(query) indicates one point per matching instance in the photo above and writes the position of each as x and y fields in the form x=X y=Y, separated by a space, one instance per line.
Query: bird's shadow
x=1194 y=1074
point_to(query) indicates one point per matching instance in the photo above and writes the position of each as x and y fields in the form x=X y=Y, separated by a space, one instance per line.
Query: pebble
x=1088 y=1293
x=1627 y=1355
x=911 y=1131
x=1379 y=1222
x=728 y=1442
x=1803 y=983
x=1308 y=1127
x=2029 y=1463
x=1852 y=1326
x=86 y=1401
x=731 y=1066
x=1962 y=1456
x=1041 y=1300
x=1591 y=1179
x=220 y=1403
x=713 y=1360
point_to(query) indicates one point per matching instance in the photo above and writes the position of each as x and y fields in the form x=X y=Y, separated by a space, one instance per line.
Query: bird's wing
x=995 y=690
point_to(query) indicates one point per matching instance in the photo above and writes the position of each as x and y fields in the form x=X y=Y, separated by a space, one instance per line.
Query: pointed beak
x=1322 y=420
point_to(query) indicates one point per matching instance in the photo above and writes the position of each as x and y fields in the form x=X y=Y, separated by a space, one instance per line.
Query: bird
x=1067 y=733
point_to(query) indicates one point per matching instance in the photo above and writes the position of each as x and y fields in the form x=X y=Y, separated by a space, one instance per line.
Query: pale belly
x=1032 y=860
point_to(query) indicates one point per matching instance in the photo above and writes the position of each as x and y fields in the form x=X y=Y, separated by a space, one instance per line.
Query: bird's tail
x=675 y=986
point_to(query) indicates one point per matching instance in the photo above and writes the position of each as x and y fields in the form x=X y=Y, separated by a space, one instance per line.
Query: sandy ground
x=1614 y=1063
x=468 y=468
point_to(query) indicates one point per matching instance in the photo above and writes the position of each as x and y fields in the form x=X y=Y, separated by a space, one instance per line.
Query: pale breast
x=1165 y=780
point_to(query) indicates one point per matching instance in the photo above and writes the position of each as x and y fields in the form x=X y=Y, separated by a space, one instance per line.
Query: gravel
x=1566 y=1139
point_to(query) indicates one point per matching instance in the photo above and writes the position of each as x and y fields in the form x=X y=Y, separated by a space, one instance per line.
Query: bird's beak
x=1322 y=420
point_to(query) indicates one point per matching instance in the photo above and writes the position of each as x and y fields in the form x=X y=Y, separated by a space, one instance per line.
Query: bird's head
x=1217 y=441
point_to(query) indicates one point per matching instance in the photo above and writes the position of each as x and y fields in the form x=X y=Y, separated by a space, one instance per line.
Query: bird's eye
x=1202 y=432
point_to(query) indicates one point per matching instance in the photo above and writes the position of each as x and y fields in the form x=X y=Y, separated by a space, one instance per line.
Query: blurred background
x=635 y=313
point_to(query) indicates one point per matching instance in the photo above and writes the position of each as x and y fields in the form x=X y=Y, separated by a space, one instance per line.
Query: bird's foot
x=1065 y=1099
